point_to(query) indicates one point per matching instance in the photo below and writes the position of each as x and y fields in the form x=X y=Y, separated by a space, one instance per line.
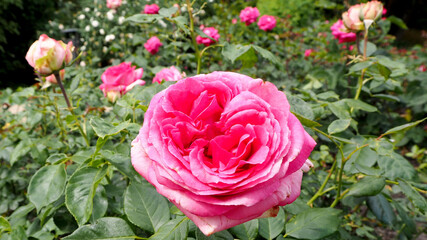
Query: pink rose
x=211 y=32
x=339 y=32
x=152 y=45
x=52 y=79
x=422 y=68
x=168 y=74
x=267 y=22
x=151 y=9
x=233 y=21
x=249 y=15
x=48 y=55
x=308 y=52
x=118 y=80
x=113 y=4
x=351 y=18
x=224 y=148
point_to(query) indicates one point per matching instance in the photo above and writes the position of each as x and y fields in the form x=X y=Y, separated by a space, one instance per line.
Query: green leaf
x=339 y=109
x=301 y=107
x=182 y=23
x=122 y=163
x=314 y=223
x=232 y=51
x=144 y=18
x=357 y=104
x=103 y=128
x=20 y=150
x=396 y=166
x=370 y=48
x=404 y=127
x=222 y=235
x=100 y=204
x=56 y=158
x=104 y=228
x=384 y=71
x=368 y=186
x=167 y=12
x=247 y=230
x=359 y=66
x=249 y=58
x=267 y=54
x=410 y=226
x=175 y=229
x=4 y=225
x=338 y=126
x=47 y=185
x=387 y=97
x=271 y=227
x=80 y=191
x=399 y=22
x=416 y=198
x=305 y=121
x=381 y=208
x=145 y=207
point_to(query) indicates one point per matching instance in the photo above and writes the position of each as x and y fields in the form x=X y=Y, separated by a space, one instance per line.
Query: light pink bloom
x=152 y=45
x=113 y=4
x=351 y=18
x=234 y=21
x=249 y=15
x=151 y=9
x=168 y=74
x=224 y=148
x=371 y=10
x=47 y=55
x=118 y=80
x=211 y=32
x=422 y=68
x=340 y=33
x=267 y=22
x=308 y=52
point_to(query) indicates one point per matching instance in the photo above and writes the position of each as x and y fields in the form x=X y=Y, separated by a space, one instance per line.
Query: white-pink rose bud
x=371 y=10
x=352 y=20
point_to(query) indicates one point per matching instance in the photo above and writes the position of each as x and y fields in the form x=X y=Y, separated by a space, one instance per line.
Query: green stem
x=70 y=108
x=199 y=60
x=193 y=36
x=320 y=192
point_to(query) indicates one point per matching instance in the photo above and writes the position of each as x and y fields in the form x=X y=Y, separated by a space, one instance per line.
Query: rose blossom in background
x=48 y=55
x=308 y=52
x=249 y=15
x=113 y=4
x=224 y=148
x=267 y=22
x=168 y=74
x=384 y=13
x=351 y=18
x=233 y=21
x=118 y=80
x=211 y=32
x=422 y=68
x=339 y=32
x=152 y=45
x=151 y=9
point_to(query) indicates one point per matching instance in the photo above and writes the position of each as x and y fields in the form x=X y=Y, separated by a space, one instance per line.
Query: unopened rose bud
x=371 y=10
x=351 y=18
x=48 y=55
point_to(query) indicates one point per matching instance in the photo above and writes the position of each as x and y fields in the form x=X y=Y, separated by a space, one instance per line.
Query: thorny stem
x=199 y=60
x=193 y=36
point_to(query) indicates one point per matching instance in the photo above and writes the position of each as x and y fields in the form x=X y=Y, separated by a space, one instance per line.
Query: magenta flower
x=151 y=9
x=339 y=31
x=211 y=32
x=168 y=74
x=152 y=45
x=249 y=15
x=267 y=22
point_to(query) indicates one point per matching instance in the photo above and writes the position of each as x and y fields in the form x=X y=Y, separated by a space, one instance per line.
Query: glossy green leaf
x=410 y=226
x=396 y=166
x=56 y=158
x=404 y=127
x=416 y=198
x=267 y=54
x=20 y=150
x=47 y=185
x=367 y=186
x=359 y=66
x=357 y=104
x=4 y=225
x=381 y=208
x=247 y=230
x=100 y=204
x=232 y=51
x=105 y=228
x=398 y=21
x=271 y=227
x=305 y=121
x=340 y=109
x=167 y=12
x=122 y=163
x=338 y=126
x=384 y=71
x=145 y=207
x=314 y=223
x=103 y=128
x=80 y=190
x=175 y=229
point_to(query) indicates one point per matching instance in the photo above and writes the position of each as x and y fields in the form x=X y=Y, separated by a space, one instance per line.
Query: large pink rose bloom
x=152 y=45
x=168 y=74
x=48 y=55
x=113 y=4
x=118 y=80
x=224 y=148
x=211 y=32
x=151 y=9
x=249 y=15
x=339 y=32
x=267 y=22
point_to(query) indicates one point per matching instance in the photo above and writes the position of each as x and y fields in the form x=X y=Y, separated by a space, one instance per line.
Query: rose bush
x=224 y=148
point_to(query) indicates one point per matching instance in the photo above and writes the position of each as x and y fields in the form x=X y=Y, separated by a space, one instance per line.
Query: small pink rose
x=339 y=31
x=152 y=45
x=211 y=32
x=113 y=4
x=48 y=55
x=234 y=21
x=267 y=22
x=151 y=9
x=351 y=18
x=422 y=68
x=249 y=15
x=224 y=148
x=118 y=80
x=168 y=74
x=308 y=52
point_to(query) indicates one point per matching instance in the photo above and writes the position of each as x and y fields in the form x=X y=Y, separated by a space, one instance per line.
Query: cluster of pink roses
x=249 y=15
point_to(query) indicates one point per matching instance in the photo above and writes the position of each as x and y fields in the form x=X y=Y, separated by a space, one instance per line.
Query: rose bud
x=371 y=10
x=118 y=80
x=267 y=22
x=113 y=4
x=211 y=32
x=351 y=18
x=168 y=74
x=152 y=45
x=340 y=33
x=151 y=9
x=224 y=148
x=249 y=15
x=48 y=55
